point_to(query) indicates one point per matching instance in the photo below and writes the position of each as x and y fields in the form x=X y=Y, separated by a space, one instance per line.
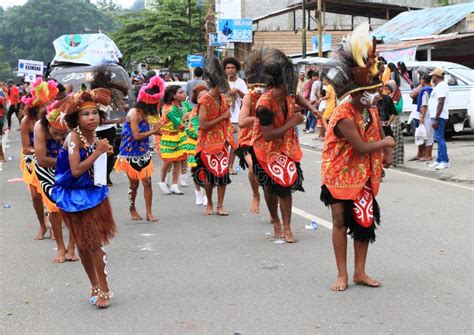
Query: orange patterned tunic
x=288 y=144
x=245 y=135
x=213 y=140
x=344 y=171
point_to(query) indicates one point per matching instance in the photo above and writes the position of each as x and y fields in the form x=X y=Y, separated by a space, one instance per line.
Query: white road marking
x=309 y=216
x=412 y=175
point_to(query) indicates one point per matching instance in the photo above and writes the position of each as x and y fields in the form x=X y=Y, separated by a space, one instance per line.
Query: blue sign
x=195 y=61
x=235 y=30
x=327 y=40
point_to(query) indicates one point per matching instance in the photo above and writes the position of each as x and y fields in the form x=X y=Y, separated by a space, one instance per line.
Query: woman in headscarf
x=392 y=90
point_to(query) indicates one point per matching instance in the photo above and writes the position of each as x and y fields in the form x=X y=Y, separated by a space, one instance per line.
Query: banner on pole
x=32 y=67
x=235 y=30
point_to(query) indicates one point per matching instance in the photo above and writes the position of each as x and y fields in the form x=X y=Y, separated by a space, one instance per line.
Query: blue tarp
x=425 y=22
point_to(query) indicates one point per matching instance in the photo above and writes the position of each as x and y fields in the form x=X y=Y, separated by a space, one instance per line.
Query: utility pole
x=190 y=28
x=303 y=31
x=320 y=30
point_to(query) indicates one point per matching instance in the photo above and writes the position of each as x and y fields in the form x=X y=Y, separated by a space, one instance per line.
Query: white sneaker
x=204 y=200
x=175 y=189
x=183 y=180
x=433 y=165
x=442 y=166
x=199 y=198
x=164 y=188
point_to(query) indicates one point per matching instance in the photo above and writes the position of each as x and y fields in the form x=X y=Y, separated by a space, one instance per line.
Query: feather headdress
x=254 y=68
x=41 y=93
x=278 y=70
x=55 y=116
x=215 y=74
x=354 y=66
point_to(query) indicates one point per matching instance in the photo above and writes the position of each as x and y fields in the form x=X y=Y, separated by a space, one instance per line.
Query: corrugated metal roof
x=425 y=22
x=424 y=42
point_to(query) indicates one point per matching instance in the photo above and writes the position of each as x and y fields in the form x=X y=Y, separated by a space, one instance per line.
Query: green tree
x=162 y=31
x=5 y=69
x=28 y=31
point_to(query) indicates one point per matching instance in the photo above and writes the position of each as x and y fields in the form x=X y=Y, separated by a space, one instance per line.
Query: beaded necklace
x=88 y=147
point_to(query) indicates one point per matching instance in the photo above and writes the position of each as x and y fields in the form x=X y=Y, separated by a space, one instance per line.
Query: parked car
x=461 y=94
x=81 y=75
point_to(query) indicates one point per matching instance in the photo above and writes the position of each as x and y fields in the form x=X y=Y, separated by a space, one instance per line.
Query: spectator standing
x=392 y=90
x=301 y=82
x=394 y=74
x=197 y=80
x=313 y=98
x=422 y=107
x=14 y=99
x=439 y=113
x=402 y=68
x=330 y=98
x=238 y=89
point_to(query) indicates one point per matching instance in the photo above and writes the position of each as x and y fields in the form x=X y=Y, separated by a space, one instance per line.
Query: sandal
x=221 y=214
x=104 y=295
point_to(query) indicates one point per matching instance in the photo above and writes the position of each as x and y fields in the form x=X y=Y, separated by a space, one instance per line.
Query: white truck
x=461 y=94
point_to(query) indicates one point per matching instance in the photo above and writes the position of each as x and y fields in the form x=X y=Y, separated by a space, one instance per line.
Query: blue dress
x=73 y=194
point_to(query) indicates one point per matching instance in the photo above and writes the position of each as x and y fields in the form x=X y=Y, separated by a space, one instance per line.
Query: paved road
x=191 y=274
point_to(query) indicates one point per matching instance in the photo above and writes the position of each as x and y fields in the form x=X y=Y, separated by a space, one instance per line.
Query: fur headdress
x=41 y=93
x=254 y=68
x=215 y=74
x=84 y=100
x=156 y=85
x=354 y=66
x=278 y=70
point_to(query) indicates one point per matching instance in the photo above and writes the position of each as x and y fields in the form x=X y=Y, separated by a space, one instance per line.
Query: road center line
x=309 y=216
x=413 y=175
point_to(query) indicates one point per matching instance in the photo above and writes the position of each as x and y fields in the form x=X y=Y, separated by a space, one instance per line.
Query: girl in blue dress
x=135 y=157
x=84 y=206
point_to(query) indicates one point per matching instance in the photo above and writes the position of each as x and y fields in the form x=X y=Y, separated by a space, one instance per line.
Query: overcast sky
x=8 y=3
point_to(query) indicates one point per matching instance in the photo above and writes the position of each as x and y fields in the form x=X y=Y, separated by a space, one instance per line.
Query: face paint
x=368 y=99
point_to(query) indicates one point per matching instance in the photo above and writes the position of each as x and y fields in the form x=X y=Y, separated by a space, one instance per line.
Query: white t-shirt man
x=315 y=90
x=234 y=112
x=441 y=90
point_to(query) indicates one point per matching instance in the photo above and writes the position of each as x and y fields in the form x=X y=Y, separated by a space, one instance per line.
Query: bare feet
x=340 y=284
x=70 y=256
x=135 y=215
x=288 y=237
x=41 y=232
x=60 y=257
x=221 y=211
x=255 y=208
x=151 y=218
x=364 y=279
x=277 y=230
x=209 y=208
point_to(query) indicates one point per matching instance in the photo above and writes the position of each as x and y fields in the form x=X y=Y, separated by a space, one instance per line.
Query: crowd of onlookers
x=430 y=98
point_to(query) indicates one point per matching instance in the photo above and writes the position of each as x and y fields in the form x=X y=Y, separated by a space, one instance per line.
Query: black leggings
x=109 y=134
x=13 y=109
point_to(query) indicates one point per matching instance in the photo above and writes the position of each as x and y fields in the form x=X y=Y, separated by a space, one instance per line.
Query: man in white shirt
x=439 y=113
x=238 y=89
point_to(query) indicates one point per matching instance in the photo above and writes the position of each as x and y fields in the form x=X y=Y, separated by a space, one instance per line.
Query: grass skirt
x=93 y=227
x=241 y=152
x=356 y=231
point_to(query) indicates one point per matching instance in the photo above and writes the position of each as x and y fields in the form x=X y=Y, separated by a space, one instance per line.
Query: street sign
x=214 y=41
x=235 y=30
x=30 y=67
x=327 y=40
x=195 y=61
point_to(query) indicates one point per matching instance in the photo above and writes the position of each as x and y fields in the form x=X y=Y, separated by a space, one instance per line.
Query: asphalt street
x=193 y=274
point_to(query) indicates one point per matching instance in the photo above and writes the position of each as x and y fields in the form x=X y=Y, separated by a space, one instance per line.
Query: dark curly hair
x=170 y=92
x=231 y=60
